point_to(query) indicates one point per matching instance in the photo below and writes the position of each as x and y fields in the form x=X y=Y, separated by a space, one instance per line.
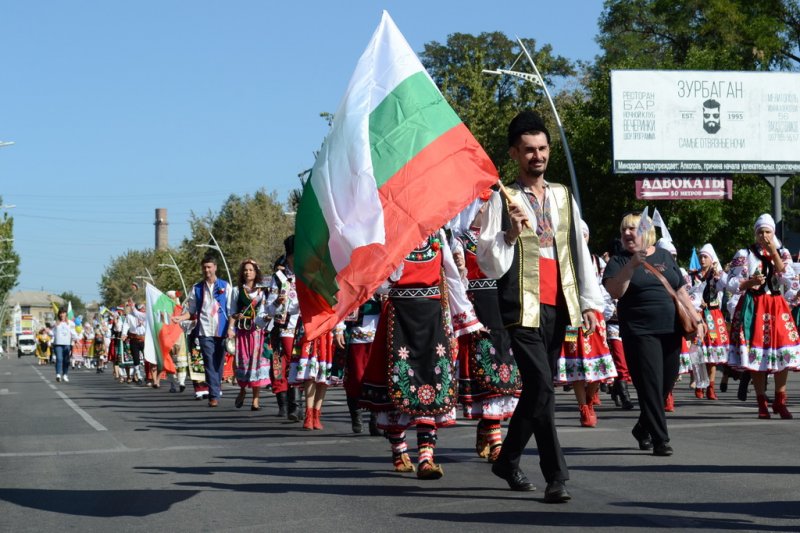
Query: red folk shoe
x=779 y=406
x=698 y=393
x=317 y=422
x=763 y=408
x=711 y=393
x=587 y=418
x=669 y=403
x=308 y=422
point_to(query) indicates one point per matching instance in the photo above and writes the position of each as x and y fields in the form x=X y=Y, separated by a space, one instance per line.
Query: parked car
x=26 y=345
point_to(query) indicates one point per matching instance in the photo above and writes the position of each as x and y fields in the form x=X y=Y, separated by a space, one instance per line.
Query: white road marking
x=83 y=414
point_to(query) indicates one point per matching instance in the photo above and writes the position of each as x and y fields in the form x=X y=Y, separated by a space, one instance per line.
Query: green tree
x=656 y=34
x=78 y=306
x=9 y=259
x=249 y=226
x=701 y=34
x=123 y=278
x=9 y=266
x=245 y=227
x=484 y=102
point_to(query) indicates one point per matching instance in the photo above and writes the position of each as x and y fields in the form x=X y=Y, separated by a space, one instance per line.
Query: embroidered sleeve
x=462 y=313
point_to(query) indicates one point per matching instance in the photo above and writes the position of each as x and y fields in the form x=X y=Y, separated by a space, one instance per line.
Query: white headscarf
x=766 y=221
x=664 y=244
x=708 y=250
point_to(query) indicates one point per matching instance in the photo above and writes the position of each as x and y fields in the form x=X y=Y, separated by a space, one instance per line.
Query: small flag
x=694 y=262
x=659 y=222
x=161 y=334
x=645 y=224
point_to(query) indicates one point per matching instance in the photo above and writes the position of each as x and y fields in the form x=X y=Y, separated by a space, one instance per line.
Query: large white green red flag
x=160 y=333
x=397 y=164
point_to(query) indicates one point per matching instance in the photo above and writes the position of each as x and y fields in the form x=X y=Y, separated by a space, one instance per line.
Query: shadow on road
x=98 y=503
x=785 y=510
x=592 y=520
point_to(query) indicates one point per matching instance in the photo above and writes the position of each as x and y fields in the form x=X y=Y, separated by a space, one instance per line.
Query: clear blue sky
x=118 y=108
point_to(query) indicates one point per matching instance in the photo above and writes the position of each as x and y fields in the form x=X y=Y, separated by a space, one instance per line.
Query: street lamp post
x=174 y=265
x=216 y=247
x=537 y=79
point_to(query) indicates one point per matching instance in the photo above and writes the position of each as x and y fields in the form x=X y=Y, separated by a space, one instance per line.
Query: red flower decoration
x=435 y=245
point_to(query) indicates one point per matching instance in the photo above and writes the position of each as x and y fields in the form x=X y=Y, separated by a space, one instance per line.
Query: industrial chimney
x=162 y=229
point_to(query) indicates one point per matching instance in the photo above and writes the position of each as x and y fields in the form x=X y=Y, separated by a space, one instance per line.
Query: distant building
x=38 y=304
x=35 y=306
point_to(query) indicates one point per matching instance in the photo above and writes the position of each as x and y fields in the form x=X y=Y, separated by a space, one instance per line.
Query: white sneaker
x=66 y=378
x=58 y=377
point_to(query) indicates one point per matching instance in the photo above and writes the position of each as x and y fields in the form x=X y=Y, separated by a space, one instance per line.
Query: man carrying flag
x=531 y=242
x=397 y=164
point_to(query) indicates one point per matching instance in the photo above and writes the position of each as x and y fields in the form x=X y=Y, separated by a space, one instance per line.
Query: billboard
x=684 y=188
x=705 y=122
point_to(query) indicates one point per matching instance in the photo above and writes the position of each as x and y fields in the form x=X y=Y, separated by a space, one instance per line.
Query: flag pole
x=525 y=223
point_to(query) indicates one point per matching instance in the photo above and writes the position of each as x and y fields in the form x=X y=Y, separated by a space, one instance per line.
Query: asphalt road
x=95 y=455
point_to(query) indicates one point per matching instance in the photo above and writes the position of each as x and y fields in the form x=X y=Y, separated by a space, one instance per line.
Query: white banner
x=708 y=122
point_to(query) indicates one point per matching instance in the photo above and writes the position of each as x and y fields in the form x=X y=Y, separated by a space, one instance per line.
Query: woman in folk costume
x=310 y=361
x=360 y=333
x=43 y=347
x=283 y=306
x=310 y=368
x=792 y=294
x=179 y=351
x=708 y=286
x=410 y=379
x=764 y=338
x=488 y=377
x=248 y=313
x=586 y=360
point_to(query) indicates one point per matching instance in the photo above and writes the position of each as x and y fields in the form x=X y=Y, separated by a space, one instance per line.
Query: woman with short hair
x=649 y=327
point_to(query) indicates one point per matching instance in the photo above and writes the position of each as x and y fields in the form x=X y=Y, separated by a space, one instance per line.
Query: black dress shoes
x=515 y=478
x=663 y=450
x=642 y=437
x=556 y=492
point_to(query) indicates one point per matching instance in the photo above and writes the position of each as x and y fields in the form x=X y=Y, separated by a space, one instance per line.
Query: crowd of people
x=486 y=317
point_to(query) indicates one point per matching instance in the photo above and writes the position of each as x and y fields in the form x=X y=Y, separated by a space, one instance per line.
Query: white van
x=26 y=345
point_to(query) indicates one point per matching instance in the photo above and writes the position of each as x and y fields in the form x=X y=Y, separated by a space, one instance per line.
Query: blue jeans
x=63 y=352
x=213 y=350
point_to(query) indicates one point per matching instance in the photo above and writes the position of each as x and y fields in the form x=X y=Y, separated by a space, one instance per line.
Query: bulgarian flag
x=397 y=164
x=160 y=333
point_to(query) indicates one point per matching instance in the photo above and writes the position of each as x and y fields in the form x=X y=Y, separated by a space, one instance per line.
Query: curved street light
x=216 y=247
x=174 y=265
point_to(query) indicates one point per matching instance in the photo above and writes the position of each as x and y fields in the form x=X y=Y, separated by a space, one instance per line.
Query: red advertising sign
x=684 y=188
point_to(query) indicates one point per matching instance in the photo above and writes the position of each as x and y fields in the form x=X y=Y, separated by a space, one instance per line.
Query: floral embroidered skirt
x=410 y=376
x=252 y=364
x=586 y=357
x=684 y=361
x=716 y=343
x=488 y=379
x=764 y=336
x=312 y=361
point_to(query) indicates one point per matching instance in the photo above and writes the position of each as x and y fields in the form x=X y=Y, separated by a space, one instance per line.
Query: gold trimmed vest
x=518 y=289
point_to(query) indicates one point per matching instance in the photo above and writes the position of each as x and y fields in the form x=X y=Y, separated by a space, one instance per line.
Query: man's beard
x=535 y=172
x=711 y=127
